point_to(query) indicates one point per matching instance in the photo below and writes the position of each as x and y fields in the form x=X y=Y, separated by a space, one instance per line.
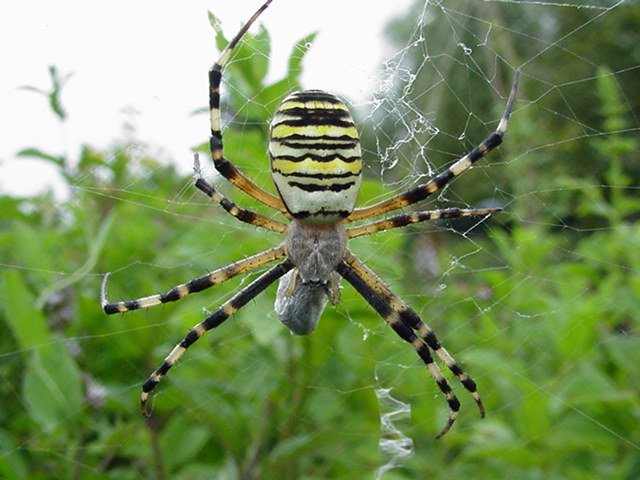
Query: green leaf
x=27 y=324
x=290 y=448
x=57 y=83
x=221 y=41
x=12 y=209
x=12 y=462
x=190 y=440
x=96 y=243
x=37 y=153
x=255 y=53
x=271 y=95
x=589 y=387
x=298 y=53
x=52 y=390
x=625 y=354
x=35 y=247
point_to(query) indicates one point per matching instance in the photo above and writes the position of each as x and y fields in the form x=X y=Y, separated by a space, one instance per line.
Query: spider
x=317 y=168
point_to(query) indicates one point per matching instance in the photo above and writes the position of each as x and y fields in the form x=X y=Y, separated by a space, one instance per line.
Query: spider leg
x=421 y=192
x=222 y=164
x=407 y=324
x=409 y=218
x=213 y=320
x=196 y=285
x=241 y=214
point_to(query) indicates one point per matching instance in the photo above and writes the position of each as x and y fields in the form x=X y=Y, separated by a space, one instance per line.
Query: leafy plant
x=546 y=323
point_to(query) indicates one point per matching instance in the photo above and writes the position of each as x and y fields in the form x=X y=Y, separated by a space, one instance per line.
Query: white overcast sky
x=153 y=56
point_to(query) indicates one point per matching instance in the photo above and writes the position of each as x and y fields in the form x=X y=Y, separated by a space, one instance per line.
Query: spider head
x=316 y=160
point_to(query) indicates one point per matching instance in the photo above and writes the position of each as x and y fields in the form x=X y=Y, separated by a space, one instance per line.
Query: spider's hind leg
x=406 y=323
x=213 y=320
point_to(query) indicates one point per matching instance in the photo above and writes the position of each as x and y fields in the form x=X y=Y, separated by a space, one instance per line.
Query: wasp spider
x=317 y=167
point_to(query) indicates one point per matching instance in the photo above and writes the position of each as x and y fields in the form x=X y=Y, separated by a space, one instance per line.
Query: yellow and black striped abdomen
x=316 y=159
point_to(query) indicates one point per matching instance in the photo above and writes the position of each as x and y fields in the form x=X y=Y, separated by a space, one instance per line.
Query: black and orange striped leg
x=421 y=192
x=222 y=164
x=198 y=284
x=413 y=320
x=417 y=217
x=407 y=324
x=241 y=214
x=406 y=333
x=212 y=321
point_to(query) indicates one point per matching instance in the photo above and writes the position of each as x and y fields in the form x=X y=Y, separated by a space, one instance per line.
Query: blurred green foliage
x=545 y=319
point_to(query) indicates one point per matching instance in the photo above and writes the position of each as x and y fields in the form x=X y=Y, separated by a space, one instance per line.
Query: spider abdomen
x=315 y=156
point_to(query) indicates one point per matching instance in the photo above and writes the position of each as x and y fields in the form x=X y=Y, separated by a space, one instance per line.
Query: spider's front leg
x=221 y=163
x=437 y=183
x=231 y=208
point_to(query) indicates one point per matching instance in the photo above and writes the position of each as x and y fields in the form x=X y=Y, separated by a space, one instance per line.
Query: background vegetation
x=540 y=302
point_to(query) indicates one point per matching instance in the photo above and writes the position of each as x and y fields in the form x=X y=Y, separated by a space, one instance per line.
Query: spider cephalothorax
x=315 y=251
x=316 y=165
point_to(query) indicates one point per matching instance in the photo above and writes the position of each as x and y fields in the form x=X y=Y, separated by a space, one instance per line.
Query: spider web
x=452 y=47
x=440 y=89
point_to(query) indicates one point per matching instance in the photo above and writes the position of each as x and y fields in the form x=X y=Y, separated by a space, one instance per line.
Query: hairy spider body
x=316 y=251
x=317 y=167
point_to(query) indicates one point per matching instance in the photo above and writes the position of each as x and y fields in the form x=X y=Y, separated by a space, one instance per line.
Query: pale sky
x=153 y=56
